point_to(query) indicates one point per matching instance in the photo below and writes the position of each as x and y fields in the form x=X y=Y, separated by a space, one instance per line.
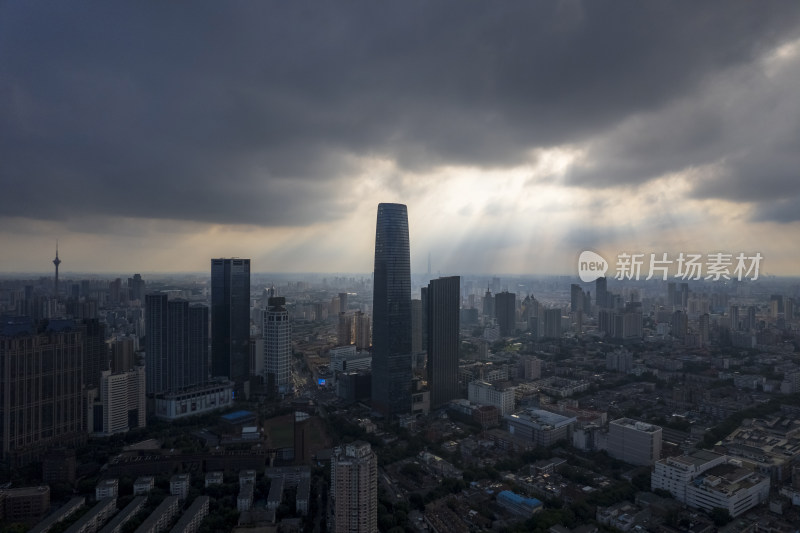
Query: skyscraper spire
x=56 y=262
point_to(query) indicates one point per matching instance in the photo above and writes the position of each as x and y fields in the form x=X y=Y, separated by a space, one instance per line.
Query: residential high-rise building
x=679 y=325
x=277 y=346
x=230 y=319
x=391 y=320
x=552 y=323
x=343 y=302
x=488 y=304
x=532 y=367
x=136 y=288
x=751 y=318
x=41 y=381
x=354 y=489
x=363 y=331
x=177 y=344
x=505 y=308
x=444 y=297
x=345 y=334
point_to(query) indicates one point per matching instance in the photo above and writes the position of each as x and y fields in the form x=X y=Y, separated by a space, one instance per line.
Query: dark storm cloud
x=737 y=138
x=252 y=112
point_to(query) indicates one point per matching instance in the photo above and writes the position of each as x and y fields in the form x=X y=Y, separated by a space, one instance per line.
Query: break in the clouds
x=293 y=114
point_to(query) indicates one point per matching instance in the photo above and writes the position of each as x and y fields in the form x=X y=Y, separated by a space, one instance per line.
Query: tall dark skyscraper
x=601 y=293
x=156 y=333
x=444 y=295
x=391 y=303
x=230 y=319
x=177 y=344
x=505 y=304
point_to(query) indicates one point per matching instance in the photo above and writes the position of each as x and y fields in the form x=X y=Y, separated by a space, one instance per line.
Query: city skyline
x=518 y=136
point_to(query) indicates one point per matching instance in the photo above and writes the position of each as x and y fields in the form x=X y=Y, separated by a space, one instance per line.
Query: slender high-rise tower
x=56 y=262
x=444 y=298
x=391 y=320
x=230 y=319
x=277 y=332
x=354 y=489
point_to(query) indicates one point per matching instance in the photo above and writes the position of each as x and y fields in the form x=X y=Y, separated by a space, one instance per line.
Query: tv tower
x=56 y=262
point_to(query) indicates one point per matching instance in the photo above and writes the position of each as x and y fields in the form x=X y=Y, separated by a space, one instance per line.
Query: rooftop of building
x=630 y=423
x=540 y=417
x=516 y=498
x=23 y=492
x=697 y=458
x=238 y=416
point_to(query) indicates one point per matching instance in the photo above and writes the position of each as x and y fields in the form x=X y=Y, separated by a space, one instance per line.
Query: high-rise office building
x=277 y=346
x=751 y=318
x=177 y=344
x=156 y=350
x=576 y=298
x=488 y=304
x=391 y=320
x=230 y=319
x=505 y=308
x=343 y=302
x=444 y=297
x=601 y=293
x=354 y=489
x=733 y=315
x=704 y=328
x=552 y=323
x=122 y=402
x=41 y=380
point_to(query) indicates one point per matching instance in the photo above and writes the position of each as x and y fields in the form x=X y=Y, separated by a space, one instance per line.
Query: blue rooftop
x=238 y=415
x=516 y=498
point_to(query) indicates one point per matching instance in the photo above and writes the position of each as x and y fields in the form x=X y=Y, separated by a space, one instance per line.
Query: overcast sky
x=152 y=136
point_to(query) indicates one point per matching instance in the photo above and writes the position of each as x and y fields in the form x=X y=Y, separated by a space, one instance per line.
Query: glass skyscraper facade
x=444 y=302
x=391 y=308
x=230 y=319
x=177 y=344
